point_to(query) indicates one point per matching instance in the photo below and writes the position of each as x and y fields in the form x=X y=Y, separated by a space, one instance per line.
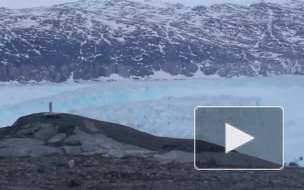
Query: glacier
x=161 y=107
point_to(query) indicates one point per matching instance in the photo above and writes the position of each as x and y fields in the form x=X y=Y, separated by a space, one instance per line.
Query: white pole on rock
x=50 y=107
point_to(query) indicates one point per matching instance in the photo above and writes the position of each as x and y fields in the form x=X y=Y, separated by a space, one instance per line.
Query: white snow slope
x=162 y=107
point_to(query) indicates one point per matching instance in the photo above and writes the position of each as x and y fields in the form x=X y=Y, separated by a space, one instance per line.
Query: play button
x=238 y=137
x=235 y=138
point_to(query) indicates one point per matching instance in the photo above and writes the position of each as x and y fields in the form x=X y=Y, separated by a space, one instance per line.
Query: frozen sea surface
x=163 y=107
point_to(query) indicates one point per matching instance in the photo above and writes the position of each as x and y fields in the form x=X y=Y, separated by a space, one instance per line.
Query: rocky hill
x=64 y=151
x=90 y=39
x=54 y=134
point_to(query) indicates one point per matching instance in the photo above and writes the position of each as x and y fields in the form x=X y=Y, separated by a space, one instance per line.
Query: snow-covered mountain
x=90 y=39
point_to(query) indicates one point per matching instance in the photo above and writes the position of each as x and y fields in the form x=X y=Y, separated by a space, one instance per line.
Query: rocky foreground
x=64 y=151
x=98 y=173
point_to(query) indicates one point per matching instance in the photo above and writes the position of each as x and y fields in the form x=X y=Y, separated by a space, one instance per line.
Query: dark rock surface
x=66 y=134
x=54 y=134
x=72 y=130
x=89 y=39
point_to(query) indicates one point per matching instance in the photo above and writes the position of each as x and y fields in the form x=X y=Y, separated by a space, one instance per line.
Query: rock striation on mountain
x=92 y=39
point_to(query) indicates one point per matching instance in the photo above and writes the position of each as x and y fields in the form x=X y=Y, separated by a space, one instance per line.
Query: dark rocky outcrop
x=54 y=134
x=70 y=132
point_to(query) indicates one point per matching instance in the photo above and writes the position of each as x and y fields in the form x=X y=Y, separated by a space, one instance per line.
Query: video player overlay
x=251 y=136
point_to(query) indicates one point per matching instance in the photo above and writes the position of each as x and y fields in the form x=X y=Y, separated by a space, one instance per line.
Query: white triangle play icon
x=235 y=138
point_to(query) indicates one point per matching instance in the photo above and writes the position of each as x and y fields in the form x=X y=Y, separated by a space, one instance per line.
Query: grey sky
x=36 y=3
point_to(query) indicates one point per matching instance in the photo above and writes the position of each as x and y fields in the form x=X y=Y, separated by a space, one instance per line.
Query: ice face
x=162 y=108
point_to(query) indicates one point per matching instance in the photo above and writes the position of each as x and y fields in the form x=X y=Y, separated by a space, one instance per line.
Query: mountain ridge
x=94 y=39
